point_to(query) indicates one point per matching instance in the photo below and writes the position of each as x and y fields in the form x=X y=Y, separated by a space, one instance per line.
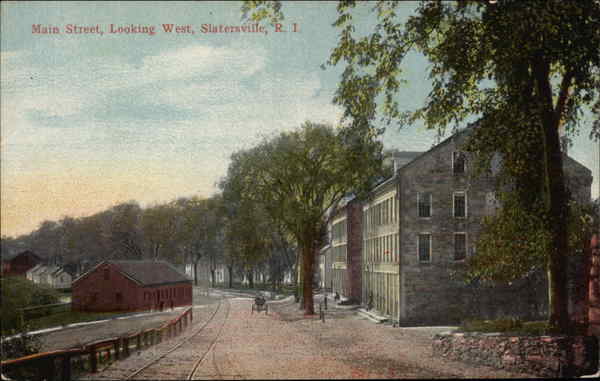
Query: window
x=460 y=204
x=106 y=274
x=424 y=204
x=119 y=297
x=424 y=247
x=458 y=162
x=460 y=246
x=491 y=203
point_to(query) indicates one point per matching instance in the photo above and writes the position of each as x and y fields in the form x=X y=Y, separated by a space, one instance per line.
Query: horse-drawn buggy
x=260 y=304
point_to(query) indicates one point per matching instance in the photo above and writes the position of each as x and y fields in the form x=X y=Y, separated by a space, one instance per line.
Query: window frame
x=455 y=156
x=465 y=247
x=419 y=247
x=419 y=194
x=454 y=194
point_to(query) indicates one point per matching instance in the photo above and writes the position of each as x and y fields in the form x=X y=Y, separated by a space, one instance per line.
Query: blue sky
x=92 y=120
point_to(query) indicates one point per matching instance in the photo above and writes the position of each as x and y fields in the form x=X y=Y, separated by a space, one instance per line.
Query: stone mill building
x=402 y=255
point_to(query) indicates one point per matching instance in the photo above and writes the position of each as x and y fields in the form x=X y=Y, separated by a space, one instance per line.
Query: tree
x=198 y=230
x=159 y=226
x=121 y=229
x=524 y=65
x=247 y=235
x=297 y=176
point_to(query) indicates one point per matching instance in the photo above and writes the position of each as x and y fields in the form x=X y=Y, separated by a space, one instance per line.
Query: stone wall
x=545 y=356
x=433 y=296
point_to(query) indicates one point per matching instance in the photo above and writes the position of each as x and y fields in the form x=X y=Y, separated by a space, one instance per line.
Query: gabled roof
x=37 y=268
x=10 y=257
x=145 y=273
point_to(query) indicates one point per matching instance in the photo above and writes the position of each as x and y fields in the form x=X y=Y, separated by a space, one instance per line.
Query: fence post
x=126 y=346
x=50 y=368
x=117 y=345
x=93 y=360
x=66 y=367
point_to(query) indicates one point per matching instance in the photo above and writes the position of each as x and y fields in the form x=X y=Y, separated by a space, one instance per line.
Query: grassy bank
x=512 y=326
x=68 y=317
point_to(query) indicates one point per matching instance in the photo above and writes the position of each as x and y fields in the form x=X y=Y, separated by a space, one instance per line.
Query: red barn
x=131 y=286
x=20 y=263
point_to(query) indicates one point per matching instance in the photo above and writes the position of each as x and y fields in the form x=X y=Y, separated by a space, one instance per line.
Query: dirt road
x=284 y=344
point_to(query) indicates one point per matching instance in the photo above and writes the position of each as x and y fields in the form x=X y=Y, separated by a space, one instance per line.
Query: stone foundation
x=544 y=356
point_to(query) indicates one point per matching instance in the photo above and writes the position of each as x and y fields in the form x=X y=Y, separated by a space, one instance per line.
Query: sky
x=90 y=120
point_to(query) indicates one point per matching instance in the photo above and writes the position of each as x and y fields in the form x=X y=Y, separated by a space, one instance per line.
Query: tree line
x=198 y=231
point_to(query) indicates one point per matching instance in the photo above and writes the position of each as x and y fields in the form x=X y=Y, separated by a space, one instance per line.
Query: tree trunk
x=230 y=270
x=250 y=276
x=556 y=201
x=308 y=258
x=212 y=277
x=300 y=281
x=196 y=273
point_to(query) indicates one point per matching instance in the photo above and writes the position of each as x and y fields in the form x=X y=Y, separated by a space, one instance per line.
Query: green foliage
x=294 y=178
x=20 y=346
x=526 y=68
x=18 y=293
x=511 y=244
x=514 y=242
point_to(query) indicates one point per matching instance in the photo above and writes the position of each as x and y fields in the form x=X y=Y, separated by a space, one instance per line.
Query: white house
x=33 y=274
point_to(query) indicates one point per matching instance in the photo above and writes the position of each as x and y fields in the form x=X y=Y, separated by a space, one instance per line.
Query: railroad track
x=182 y=361
x=178 y=358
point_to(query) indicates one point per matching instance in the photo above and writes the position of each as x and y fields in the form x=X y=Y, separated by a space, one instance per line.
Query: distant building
x=345 y=251
x=131 y=286
x=61 y=278
x=33 y=273
x=20 y=263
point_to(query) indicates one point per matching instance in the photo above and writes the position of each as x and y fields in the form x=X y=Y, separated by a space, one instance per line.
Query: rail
x=43 y=310
x=64 y=364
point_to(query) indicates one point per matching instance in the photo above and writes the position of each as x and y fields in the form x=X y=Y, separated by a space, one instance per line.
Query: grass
x=68 y=317
x=512 y=326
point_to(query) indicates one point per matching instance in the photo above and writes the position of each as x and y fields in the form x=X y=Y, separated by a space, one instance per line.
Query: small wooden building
x=20 y=263
x=131 y=286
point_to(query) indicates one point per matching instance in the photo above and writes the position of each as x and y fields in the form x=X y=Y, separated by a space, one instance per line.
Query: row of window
x=382 y=249
x=383 y=213
x=424 y=246
x=168 y=293
x=425 y=200
x=338 y=253
x=338 y=231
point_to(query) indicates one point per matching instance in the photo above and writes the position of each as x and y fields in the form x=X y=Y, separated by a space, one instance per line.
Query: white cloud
x=203 y=61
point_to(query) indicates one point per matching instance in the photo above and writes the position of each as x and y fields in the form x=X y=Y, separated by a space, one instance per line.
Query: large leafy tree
x=199 y=230
x=297 y=176
x=527 y=66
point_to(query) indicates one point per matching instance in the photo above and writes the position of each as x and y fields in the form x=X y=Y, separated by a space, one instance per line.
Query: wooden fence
x=44 y=310
x=64 y=364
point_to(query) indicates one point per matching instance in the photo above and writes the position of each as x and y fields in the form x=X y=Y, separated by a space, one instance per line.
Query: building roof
x=37 y=268
x=145 y=273
x=10 y=257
